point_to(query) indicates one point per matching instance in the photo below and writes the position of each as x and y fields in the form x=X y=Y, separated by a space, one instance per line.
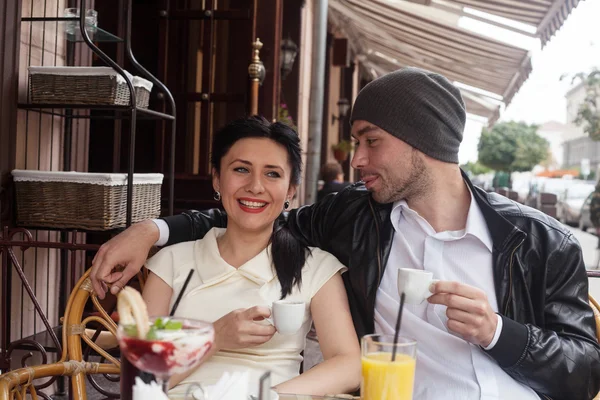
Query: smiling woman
x=244 y=270
x=256 y=169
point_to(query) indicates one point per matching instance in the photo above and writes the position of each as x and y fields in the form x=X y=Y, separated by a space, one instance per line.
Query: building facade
x=577 y=145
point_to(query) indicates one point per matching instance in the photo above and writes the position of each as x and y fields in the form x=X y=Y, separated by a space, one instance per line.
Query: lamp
x=343 y=108
x=289 y=51
x=256 y=69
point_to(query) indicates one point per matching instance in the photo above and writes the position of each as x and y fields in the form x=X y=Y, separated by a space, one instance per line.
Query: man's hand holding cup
x=469 y=312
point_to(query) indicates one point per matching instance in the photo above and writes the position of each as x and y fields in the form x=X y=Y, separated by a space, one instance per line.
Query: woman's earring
x=286 y=204
x=217 y=196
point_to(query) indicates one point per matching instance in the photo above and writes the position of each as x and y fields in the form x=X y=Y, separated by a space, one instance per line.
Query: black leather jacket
x=548 y=341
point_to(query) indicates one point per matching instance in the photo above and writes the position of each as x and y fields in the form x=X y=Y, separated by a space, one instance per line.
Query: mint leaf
x=173 y=325
x=159 y=324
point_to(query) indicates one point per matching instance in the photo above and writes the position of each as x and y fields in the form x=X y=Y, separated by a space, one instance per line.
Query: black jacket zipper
x=510 y=277
x=375 y=218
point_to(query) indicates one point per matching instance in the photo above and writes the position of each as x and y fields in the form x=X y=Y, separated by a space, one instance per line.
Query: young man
x=509 y=318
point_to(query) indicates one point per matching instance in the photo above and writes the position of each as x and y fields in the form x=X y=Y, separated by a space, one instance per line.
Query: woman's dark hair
x=288 y=253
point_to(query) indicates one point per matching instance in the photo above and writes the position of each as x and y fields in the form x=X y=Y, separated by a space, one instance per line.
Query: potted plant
x=341 y=150
x=285 y=117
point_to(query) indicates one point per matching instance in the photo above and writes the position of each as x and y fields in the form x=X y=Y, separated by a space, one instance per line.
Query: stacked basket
x=85 y=85
x=79 y=200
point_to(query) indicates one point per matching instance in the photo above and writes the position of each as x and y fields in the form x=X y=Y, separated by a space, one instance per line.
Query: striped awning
x=547 y=16
x=387 y=36
x=482 y=106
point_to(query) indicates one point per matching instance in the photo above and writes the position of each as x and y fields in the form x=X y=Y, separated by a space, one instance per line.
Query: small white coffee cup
x=287 y=316
x=415 y=284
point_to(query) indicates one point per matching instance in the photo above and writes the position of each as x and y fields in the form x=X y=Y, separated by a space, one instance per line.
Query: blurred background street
x=589 y=242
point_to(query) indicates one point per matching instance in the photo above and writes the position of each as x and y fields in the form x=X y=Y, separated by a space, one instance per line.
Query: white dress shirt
x=448 y=367
x=218 y=288
x=163 y=229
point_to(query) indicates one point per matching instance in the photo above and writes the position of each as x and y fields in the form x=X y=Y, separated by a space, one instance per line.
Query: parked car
x=571 y=201
x=585 y=220
x=556 y=186
x=523 y=188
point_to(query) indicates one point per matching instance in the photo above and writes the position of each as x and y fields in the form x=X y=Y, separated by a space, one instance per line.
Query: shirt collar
x=476 y=225
x=397 y=209
x=212 y=268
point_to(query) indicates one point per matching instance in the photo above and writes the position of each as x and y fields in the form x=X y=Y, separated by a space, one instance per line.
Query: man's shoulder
x=528 y=219
x=342 y=185
x=353 y=192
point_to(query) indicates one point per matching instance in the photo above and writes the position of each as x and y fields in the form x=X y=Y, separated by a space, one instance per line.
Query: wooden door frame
x=346 y=90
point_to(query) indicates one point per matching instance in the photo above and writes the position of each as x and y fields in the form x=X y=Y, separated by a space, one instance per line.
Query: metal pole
x=315 y=123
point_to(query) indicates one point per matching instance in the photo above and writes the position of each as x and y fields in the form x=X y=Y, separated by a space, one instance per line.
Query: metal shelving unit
x=67 y=242
x=130 y=112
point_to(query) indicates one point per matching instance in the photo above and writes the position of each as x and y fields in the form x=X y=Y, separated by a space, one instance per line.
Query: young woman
x=240 y=271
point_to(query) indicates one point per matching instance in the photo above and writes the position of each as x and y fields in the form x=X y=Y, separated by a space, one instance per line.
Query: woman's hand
x=239 y=329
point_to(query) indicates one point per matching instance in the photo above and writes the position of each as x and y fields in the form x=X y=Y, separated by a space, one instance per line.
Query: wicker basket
x=83 y=200
x=85 y=85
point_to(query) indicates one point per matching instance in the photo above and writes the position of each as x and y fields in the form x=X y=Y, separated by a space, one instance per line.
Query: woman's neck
x=237 y=247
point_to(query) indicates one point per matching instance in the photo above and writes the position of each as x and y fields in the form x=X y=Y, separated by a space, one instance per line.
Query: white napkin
x=230 y=387
x=145 y=391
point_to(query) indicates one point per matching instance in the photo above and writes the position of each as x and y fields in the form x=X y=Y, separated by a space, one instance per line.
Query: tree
x=532 y=149
x=512 y=147
x=476 y=168
x=588 y=113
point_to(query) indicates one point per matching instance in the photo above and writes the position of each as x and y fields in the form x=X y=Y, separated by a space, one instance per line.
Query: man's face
x=391 y=169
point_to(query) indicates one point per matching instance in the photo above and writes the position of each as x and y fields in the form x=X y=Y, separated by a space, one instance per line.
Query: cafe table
x=287 y=396
x=283 y=396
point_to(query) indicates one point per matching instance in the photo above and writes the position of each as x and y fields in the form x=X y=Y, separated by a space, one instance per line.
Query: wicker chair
x=17 y=384
x=596 y=308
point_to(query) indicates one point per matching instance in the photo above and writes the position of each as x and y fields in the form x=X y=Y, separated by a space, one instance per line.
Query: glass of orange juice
x=382 y=378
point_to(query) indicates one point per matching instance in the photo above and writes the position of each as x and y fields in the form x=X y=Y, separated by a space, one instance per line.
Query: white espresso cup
x=415 y=284
x=287 y=316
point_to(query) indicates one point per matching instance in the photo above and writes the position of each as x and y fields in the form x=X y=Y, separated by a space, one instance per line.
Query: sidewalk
x=588 y=244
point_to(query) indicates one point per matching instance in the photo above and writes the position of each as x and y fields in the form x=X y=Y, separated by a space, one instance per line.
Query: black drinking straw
x=187 y=281
x=398 y=320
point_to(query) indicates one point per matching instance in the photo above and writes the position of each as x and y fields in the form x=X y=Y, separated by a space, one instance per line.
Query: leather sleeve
x=562 y=359
x=312 y=224
x=193 y=225
x=308 y=223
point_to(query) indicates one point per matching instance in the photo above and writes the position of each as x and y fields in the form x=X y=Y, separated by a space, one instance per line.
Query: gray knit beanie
x=420 y=107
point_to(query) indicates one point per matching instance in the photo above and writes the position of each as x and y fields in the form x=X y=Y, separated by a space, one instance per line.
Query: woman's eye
x=273 y=174
x=241 y=169
x=371 y=141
